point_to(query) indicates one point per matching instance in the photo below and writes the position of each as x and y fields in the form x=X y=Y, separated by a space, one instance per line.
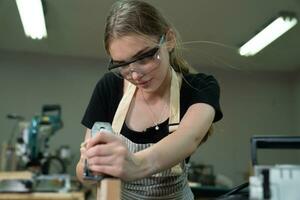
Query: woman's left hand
x=107 y=154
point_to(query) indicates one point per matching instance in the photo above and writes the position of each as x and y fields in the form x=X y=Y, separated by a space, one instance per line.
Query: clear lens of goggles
x=139 y=65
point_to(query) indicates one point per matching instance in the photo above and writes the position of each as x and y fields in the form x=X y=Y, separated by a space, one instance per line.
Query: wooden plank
x=109 y=189
x=42 y=196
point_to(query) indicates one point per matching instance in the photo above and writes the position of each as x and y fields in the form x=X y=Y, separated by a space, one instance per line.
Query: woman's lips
x=143 y=83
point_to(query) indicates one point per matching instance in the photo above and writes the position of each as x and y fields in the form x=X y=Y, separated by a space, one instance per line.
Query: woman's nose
x=136 y=75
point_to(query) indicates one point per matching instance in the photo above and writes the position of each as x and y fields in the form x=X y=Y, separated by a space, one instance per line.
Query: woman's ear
x=170 y=40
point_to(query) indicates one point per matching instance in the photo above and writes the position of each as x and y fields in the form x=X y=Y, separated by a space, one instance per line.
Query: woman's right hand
x=107 y=153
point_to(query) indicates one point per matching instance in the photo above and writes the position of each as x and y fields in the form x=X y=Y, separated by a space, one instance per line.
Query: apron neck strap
x=124 y=104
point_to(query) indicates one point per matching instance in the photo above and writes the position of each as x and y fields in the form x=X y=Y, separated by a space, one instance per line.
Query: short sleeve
x=201 y=88
x=104 y=100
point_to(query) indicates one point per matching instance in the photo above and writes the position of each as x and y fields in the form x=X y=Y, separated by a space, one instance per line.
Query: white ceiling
x=75 y=28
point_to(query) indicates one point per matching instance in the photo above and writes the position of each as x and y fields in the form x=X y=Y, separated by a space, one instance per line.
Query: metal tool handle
x=272 y=142
x=87 y=174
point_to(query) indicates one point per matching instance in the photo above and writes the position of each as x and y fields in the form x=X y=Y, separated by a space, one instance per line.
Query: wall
x=253 y=104
x=29 y=81
x=297 y=102
x=296 y=93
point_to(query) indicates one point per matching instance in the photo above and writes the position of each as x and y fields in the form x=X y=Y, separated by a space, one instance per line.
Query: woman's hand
x=83 y=150
x=108 y=154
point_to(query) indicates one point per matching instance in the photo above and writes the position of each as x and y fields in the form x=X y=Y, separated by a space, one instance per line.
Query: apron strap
x=123 y=107
x=174 y=119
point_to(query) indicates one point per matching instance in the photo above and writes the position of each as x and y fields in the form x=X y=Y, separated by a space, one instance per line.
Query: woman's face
x=151 y=60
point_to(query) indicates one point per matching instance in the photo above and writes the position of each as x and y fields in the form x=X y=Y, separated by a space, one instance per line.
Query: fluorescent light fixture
x=32 y=17
x=273 y=31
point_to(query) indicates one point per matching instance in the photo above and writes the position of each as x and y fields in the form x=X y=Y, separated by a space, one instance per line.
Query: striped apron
x=168 y=184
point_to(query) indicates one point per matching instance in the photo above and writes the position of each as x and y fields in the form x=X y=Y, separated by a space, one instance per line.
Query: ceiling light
x=273 y=31
x=32 y=17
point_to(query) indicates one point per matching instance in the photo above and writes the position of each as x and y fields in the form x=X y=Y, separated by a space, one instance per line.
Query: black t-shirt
x=195 y=88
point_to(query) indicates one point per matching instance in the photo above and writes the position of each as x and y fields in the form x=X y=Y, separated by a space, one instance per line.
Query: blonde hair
x=137 y=17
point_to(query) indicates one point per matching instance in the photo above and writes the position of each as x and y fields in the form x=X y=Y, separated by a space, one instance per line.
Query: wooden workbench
x=42 y=196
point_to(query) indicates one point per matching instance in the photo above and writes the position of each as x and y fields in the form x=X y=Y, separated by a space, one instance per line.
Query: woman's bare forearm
x=179 y=145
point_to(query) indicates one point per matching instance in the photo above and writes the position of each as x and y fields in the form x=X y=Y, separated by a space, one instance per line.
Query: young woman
x=160 y=112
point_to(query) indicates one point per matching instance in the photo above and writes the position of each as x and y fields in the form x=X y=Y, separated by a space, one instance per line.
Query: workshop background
x=260 y=95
